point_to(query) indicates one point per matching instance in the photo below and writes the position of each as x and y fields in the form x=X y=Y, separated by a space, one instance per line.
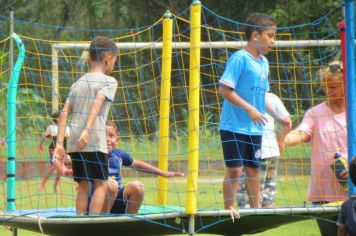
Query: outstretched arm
x=295 y=137
x=148 y=168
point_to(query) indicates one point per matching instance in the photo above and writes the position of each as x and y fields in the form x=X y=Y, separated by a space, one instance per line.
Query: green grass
x=147 y=149
x=291 y=192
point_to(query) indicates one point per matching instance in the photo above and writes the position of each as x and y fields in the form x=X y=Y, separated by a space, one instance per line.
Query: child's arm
x=40 y=146
x=59 y=151
x=341 y=230
x=281 y=138
x=45 y=136
x=230 y=95
x=283 y=120
x=295 y=137
x=94 y=109
x=60 y=167
x=145 y=167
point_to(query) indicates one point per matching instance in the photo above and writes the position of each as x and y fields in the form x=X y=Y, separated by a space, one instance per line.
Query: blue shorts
x=240 y=149
x=120 y=204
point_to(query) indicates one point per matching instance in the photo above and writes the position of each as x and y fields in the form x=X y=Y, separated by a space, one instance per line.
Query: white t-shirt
x=52 y=131
x=269 y=138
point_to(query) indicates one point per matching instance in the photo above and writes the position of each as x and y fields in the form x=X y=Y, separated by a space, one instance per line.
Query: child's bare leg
x=42 y=185
x=253 y=186
x=134 y=194
x=112 y=188
x=98 y=198
x=82 y=197
x=230 y=185
x=56 y=184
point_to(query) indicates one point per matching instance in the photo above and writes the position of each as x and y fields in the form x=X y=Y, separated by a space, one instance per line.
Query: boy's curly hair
x=100 y=46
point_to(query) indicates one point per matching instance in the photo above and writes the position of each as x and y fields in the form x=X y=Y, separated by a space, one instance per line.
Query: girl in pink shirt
x=325 y=127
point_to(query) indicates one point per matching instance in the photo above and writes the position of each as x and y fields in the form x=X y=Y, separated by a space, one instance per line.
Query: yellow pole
x=194 y=91
x=163 y=144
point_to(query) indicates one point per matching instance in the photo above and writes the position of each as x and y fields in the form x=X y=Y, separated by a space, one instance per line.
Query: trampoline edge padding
x=213 y=222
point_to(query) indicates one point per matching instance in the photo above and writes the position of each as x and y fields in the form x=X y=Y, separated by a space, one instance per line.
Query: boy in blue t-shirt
x=128 y=198
x=244 y=85
x=347 y=216
x=122 y=198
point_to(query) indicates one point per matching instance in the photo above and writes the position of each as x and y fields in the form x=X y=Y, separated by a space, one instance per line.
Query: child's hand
x=257 y=117
x=285 y=122
x=281 y=146
x=343 y=174
x=83 y=140
x=61 y=168
x=59 y=152
x=173 y=174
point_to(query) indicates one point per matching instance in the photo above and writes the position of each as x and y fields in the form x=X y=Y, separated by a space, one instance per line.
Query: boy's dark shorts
x=240 y=149
x=120 y=204
x=89 y=166
x=51 y=157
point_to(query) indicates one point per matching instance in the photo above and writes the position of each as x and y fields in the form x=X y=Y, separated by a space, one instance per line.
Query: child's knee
x=252 y=172
x=112 y=187
x=234 y=173
x=137 y=187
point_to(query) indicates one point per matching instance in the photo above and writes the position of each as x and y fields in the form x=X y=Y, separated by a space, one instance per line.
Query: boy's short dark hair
x=100 y=46
x=258 y=22
x=112 y=124
x=352 y=170
x=55 y=116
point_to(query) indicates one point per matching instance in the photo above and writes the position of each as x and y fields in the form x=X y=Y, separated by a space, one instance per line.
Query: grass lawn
x=147 y=149
x=291 y=192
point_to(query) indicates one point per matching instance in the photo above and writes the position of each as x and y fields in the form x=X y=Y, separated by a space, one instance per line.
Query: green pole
x=11 y=125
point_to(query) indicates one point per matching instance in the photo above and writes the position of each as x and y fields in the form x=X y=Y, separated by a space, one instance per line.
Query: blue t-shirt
x=248 y=76
x=347 y=215
x=116 y=160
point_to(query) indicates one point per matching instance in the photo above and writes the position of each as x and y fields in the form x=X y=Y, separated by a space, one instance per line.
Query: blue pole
x=350 y=83
x=11 y=126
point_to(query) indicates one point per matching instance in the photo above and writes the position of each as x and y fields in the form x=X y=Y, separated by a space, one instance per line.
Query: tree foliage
x=118 y=14
x=90 y=17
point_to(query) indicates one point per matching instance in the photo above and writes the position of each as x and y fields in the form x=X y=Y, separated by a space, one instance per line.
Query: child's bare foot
x=57 y=190
x=234 y=213
x=41 y=186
